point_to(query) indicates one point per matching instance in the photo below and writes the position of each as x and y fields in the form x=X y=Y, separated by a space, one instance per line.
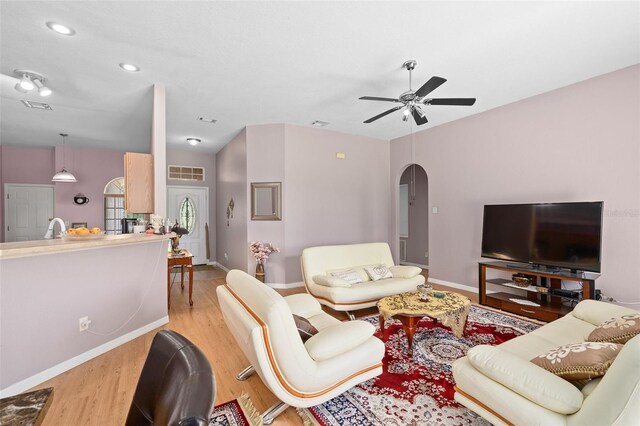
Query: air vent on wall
x=36 y=105
x=186 y=173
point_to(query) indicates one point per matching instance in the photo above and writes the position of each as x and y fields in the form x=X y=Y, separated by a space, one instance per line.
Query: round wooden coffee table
x=408 y=308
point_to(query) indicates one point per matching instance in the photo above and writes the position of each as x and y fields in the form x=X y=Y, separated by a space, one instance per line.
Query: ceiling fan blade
x=383 y=114
x=374 y=98
x=420 y=120
x=431 y=85
x=451 y=101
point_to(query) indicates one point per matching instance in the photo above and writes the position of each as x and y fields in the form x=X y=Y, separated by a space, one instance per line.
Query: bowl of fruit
x=83 y=233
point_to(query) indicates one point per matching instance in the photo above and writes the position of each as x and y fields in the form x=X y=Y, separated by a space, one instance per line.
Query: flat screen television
x=561 y=235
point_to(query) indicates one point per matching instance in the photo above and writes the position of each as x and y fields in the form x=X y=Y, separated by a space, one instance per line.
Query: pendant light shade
x=63 y=175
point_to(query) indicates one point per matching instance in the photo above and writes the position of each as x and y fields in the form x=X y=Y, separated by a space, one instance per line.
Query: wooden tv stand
x=550 y=308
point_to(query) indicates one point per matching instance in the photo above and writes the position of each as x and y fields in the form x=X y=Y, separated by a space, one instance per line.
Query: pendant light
x=63 y=175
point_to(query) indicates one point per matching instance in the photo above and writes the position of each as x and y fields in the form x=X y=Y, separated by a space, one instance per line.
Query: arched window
x=114 y=206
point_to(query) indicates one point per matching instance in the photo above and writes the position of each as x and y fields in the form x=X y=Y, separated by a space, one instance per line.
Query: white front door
x=27 y=211
x=190 y=207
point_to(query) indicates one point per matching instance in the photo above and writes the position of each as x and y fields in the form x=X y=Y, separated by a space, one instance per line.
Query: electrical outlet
x=84 y=323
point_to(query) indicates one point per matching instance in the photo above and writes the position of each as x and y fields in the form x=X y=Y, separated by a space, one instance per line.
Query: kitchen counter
x=48 y=286
x=58 y=245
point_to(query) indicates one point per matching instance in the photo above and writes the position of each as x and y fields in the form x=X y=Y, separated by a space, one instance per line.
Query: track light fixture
x=30 y=80
x=42 y=89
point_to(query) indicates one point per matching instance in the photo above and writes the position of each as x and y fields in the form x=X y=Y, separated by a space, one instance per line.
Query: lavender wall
x=44 y=296
x=265 y=163
x=577 y=143
x=331 y=201
x=418 y=241
x=93 y=168
x=208 y=161
x=24 y=165
x=231 y=182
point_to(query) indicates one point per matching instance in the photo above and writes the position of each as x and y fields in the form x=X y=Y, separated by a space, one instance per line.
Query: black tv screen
x=563 y=235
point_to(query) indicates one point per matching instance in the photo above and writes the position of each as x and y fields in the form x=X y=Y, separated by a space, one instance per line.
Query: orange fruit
x=71 y=231
x=83 y=232
x=96 y=230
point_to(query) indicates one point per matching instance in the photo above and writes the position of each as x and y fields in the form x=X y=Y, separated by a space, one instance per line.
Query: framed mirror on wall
x=266 y=201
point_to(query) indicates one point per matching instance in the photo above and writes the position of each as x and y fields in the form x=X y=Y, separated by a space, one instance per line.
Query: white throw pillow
x=350 y=276
x=378 y=272
x=405 y=271
x=328 y=281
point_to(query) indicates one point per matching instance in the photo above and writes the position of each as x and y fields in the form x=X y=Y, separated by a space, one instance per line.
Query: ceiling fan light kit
x=412 y=101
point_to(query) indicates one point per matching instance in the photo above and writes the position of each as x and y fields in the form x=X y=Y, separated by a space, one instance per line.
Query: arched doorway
x=413 y=218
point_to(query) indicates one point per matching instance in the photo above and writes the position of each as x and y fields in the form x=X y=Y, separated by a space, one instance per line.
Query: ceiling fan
x=413 y=101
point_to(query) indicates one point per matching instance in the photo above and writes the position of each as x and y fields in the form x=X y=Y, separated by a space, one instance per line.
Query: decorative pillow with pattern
x=305 y=329
x=378 y=272
x=579 y=361
x=616 y=330
x=350 y=276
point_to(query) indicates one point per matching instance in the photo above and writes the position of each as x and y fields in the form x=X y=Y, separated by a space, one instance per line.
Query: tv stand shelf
x=550 y=308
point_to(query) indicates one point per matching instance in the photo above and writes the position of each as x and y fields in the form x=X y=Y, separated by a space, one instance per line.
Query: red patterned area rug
x=239 y=412
x=417 y=391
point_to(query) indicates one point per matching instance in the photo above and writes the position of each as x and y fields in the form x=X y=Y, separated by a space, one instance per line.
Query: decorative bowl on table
x=522 y=281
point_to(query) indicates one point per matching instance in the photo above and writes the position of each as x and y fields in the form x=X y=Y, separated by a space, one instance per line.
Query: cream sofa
x=300 y=374
x=321 y=261
x=503 y=386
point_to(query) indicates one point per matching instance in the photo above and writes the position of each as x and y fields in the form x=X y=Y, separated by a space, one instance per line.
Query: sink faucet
x=49 y=234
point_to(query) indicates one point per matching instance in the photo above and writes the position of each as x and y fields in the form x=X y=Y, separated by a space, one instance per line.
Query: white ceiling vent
x=36 y=105
x=186 y=173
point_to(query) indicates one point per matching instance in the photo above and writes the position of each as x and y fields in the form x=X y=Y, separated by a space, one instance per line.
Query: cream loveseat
x=319 y=263
x=503 y=386
x=300 y=374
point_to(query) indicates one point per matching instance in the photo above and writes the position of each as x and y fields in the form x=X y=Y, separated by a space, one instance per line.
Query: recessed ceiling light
x=193 y=141
x=319 y=123
x=36 y=105
x=61 y=29
x=129 y=67
x=207 y=120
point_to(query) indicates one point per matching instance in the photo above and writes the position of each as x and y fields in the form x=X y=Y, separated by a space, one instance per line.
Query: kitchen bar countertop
x=58 y=245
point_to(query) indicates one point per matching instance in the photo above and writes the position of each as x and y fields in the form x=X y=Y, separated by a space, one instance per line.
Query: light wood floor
x=99 y=391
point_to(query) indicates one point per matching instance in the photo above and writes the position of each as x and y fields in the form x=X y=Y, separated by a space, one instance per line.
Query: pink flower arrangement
x=261 y=251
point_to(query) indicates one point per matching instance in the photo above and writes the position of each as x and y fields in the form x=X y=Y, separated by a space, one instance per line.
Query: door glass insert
x=187 y=212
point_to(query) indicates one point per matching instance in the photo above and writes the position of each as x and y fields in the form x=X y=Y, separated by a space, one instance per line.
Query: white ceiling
x=246 y=63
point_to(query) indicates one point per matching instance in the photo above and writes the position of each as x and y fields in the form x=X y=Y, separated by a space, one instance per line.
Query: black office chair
x=176 y=386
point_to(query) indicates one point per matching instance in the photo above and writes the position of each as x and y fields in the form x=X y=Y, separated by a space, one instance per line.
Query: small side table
x=26 y=408
x=183 y=259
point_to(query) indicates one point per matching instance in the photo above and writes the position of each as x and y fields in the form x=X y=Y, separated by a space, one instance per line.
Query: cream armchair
x=299 y=374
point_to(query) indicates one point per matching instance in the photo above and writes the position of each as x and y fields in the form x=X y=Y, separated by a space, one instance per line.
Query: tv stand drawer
x=536 y=312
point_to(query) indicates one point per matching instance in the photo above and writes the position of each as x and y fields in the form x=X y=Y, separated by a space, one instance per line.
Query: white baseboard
x=49 y=373
x=286 y=286
x=219 y=265
x=419 y=265
x=454 y=285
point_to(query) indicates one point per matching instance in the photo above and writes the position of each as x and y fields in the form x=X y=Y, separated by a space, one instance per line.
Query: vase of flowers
x=261 y=252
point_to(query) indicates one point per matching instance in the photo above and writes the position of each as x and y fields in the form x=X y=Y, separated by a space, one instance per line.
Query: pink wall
x=93 y=168
x=418 y=241
x=265 y=163
x=331 y=201
x=577 y=143
x=24 y=165
x=231 y=182
x=208 y=161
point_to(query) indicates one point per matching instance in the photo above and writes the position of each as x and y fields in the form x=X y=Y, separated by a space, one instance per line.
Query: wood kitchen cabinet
x=138 y=178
